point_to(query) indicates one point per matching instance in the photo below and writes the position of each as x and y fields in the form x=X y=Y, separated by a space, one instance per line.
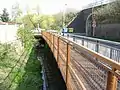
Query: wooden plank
x=79 y=81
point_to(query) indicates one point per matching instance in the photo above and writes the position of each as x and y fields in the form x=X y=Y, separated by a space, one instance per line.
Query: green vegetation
x=109 y=13
x=31 y=79
x=26 y=37
x=20 y=70
x=5 y=15
x=16 y=12
x=48 y=22
x=24 y=73
x=9 y=65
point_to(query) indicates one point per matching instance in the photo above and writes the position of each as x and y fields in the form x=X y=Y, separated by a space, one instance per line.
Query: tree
x=109 y=13
x=28 y=21
x=5 y=15
x=59 y=19
x=69 y=17
x=16 y=11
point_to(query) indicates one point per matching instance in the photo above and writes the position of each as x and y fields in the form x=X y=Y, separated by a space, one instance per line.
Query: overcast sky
x=46 y=6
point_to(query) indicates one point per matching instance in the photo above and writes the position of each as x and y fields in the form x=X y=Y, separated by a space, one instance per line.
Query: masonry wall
x=79 y=23
x=108 y=31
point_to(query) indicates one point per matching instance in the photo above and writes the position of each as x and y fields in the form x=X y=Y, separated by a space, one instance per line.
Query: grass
x=32 y=78
x=25 y=76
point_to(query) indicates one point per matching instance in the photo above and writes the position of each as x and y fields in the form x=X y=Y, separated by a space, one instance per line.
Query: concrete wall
x=8 y=33
x=108 y=31
x=79 y=23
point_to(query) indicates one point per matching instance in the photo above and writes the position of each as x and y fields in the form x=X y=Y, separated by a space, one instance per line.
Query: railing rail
x=81 y=67
x=105 y=42
x=108 y=48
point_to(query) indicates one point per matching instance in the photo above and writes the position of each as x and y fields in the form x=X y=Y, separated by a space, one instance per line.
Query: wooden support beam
x=111 y=81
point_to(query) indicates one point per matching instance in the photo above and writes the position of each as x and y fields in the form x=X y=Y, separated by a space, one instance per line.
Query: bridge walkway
x=82 y=68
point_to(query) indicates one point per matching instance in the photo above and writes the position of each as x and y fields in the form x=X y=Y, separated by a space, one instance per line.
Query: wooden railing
x=82 y=68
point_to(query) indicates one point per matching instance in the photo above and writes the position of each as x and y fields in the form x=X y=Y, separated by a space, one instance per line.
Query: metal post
x=83 y=41
x=94 y=24
x=67 y=64
x=73 y=38
x=63 y=19
x=111 y=53
x=87 y=23
x=111 y=81
x=97 y=46
x=67 y=35
x=93 y=20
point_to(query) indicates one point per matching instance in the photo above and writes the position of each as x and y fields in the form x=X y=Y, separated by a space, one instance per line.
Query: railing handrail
x=100 y=57
x=101 y=41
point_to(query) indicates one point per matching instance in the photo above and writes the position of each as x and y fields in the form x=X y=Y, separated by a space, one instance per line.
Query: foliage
x=58 y=20
x=26 y=37
x=48 y=22
x=108 y=13
x=5 y=15
x=31 y=21
x=28 y=21
x=61 y=20
x=7 y=52
x=23 y=73
x=16 y=11
x=69 y=17
x=24 y=70
x=8 y=57
x=31 y=79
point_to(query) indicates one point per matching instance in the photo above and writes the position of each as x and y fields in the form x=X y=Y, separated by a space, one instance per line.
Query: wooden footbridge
x=82 y=68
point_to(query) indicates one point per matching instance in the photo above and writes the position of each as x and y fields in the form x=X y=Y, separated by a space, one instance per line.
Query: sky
x=46 y=6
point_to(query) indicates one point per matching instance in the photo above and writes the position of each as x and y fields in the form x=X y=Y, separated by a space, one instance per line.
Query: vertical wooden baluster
x=58 y=41
x=49 y=38
x=67 y=64
x=53 y=43
x=111 y=81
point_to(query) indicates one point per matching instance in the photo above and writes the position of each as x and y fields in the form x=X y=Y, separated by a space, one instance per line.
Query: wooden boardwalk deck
x=81 y=68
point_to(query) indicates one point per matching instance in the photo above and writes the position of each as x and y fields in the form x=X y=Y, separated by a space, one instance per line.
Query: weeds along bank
x=20 y=69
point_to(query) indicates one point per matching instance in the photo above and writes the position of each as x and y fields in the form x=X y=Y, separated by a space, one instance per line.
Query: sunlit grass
x=26 y=75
